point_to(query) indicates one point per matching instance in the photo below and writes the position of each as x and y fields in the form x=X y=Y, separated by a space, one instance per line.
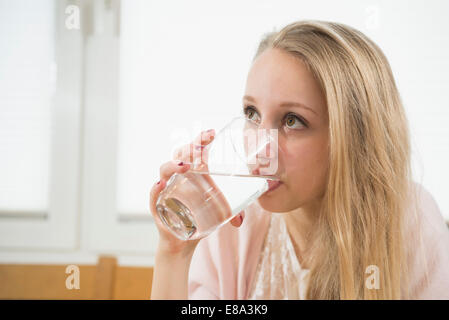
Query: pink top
x=249 y=263
x=279 y=274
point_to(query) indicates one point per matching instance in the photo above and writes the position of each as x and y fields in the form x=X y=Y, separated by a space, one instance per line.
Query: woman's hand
x=185 y=157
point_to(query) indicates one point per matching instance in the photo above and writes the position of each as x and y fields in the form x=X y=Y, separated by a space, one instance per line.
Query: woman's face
x=281 y=93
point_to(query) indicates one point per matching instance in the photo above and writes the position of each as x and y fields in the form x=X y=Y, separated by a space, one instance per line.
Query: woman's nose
x=267 y=142
x=265 y=124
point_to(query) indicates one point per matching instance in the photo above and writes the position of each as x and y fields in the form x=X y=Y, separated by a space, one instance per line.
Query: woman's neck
x=300 y=224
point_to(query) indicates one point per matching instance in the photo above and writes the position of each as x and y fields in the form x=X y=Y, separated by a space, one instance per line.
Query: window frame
x=56 y=228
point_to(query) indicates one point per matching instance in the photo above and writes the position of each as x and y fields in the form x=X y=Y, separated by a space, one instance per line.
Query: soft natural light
x=187 y=73
x=26 y=88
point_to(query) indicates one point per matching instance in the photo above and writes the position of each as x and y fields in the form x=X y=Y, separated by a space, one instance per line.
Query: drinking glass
x=225 y=177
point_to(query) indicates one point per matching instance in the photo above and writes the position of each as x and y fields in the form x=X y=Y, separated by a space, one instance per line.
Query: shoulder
x=424 y=216
x=223 y=262
x=428 y=246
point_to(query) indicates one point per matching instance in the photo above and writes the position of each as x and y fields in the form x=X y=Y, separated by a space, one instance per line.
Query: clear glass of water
x=226 y=176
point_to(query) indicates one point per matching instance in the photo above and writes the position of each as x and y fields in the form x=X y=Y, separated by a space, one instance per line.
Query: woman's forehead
x=277 y=77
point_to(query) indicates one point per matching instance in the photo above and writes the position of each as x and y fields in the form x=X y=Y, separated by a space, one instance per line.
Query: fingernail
x=181 y=163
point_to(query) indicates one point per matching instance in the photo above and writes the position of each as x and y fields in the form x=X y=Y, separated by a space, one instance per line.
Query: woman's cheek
x=317 y=175
x=304 y=175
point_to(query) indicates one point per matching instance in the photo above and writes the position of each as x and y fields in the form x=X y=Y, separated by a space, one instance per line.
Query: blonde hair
x=361 y=223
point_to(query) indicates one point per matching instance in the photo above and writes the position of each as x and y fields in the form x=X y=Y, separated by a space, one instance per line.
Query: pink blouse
x=279 y=276
x=257 y=260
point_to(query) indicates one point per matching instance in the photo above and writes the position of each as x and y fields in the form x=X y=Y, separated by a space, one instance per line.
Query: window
x=39 y=126
x=27 y=83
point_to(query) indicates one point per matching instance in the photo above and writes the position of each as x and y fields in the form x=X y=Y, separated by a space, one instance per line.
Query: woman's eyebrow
x=284 y=104
x=249 y=98
x=297 y=104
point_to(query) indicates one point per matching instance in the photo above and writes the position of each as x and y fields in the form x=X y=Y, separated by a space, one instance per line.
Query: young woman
x=347 y=220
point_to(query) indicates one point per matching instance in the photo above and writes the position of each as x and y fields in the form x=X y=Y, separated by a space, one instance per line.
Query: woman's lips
x=273 y=184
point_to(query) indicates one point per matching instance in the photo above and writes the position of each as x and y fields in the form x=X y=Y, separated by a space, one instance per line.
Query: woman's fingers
x=154 y=194
x=166 y=171
x=201 y=156
x=189 y=152
x=204 y=138
x=171 y=167
x=184 y=159
x=184 y=153
x=238 y=219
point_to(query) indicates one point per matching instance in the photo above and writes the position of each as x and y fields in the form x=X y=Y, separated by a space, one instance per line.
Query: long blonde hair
x=361 y=223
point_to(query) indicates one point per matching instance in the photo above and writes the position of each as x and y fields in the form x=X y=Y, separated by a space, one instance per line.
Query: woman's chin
x=273 y=203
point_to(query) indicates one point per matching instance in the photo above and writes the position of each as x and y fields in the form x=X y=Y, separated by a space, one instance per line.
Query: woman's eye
x=293 y=122
x=251 y=114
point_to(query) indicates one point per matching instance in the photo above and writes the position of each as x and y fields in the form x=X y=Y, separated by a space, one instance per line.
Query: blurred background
x=95 y=95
